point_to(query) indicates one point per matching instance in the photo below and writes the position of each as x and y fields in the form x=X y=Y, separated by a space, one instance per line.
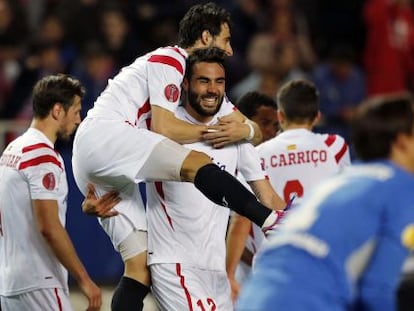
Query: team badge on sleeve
x=172 y=92
x=49 y=181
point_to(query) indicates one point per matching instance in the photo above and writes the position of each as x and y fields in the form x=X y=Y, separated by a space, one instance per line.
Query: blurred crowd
x=351 y=49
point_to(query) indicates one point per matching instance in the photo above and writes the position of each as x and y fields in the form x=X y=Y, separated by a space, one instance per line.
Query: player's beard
x=194 y=100
x=65 y=134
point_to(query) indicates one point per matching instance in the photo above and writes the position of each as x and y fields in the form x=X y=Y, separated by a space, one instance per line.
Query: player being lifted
x=114 y=147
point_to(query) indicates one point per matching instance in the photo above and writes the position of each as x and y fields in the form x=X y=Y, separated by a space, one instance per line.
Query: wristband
x=251 y=130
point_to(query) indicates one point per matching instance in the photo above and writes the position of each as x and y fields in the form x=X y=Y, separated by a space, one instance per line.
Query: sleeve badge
x=172 y=93
x=49 y=181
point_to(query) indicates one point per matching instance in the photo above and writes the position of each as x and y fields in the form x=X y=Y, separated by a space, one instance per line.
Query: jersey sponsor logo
x=172 y=92
x=297 y=158
x=49 y=181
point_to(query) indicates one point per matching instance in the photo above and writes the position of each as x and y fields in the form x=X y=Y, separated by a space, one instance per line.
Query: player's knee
x=192 y=163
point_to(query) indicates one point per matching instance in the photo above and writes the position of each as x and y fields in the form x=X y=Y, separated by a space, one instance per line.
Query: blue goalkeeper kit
x=342 y=249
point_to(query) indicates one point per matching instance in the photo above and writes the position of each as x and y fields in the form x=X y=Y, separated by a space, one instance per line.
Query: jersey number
x=292 y=187
x=210 y=303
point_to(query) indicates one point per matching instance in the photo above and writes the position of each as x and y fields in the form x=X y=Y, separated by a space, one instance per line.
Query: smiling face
x=205 y=90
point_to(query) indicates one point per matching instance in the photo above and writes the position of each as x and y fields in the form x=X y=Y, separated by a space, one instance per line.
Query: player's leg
x=135 y=283
x=223 y=188
x=171 y=161
x=127 y=232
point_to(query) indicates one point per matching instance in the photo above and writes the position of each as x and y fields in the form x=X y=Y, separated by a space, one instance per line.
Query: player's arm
x=237 y=235
x=266 y=194
x=164 y=122
x=232 y=128
x=56 y=236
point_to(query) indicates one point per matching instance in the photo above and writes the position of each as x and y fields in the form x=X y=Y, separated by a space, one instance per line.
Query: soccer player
x=261 y=109
x=186 y=231
x=344 y=247
x=114 y=147
x=296 y=160
x=36 y=252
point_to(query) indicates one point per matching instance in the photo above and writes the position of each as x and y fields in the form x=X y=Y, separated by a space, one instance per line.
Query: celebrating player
x=114 y=148
x=186 y=231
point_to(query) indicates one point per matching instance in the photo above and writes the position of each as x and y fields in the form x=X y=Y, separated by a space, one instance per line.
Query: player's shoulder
x=169 y=51
x=171 y=56
x=35 y=150
x=330 y=139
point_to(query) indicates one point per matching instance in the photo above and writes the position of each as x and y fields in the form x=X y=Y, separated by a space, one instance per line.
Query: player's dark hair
x=55 y=89
x=377 y=123
x=250 y=102
x=299 y=100
x=199 y=18
x=204 y=55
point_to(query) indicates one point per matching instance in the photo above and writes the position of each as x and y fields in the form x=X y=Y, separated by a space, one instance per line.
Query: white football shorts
x=179 y=287
x=45 y=299
x=112 y=154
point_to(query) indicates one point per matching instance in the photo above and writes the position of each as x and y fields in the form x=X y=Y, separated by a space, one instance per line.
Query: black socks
x=129 y=295
x=224 y=189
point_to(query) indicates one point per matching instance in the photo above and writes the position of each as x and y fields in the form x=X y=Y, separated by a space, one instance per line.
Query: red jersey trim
x=36 y=146
x=177 y=50
x=341 y=153
x=184 y=287
x=160 y=191
x=330 y=140
x=167 y=60
x=144 y=109
x=40 y=160
x=59 y=301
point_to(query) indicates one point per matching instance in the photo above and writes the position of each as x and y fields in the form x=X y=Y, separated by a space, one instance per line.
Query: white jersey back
x=186 y=227
x=296 y=160
x=152 y=79
x=30 y=169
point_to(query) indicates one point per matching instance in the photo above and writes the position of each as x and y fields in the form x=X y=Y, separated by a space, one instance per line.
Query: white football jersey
x=30 y=169
x=183 y=225
x=296 y=160
x=152 y=79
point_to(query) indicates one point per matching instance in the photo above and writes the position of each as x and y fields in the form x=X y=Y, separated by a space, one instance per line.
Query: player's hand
x=279 y=216
x=93 y=293
x=235 y=288
x=102 y=207
x=227 y=131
